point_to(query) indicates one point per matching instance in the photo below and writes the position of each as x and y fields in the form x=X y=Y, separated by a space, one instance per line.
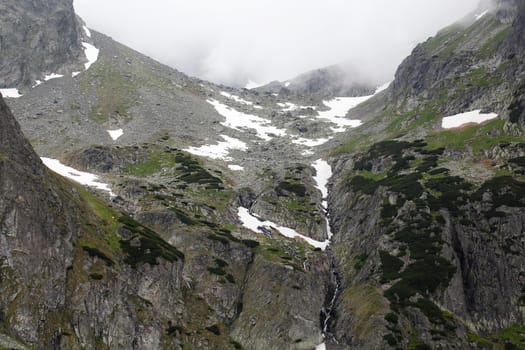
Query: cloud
x=233 y=41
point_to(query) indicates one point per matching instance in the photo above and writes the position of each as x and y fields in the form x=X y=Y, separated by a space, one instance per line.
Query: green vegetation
x=513 y=337
x=480 y=341
x=390 y=266
x=214 y=329
x=145 y=246
x=477 y=138
x=157 y=161
x=285 y=187
x=359 y=261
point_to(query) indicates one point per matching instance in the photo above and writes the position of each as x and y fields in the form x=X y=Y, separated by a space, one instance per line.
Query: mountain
x=428 y=219
x=328 y=82
x=293 y=218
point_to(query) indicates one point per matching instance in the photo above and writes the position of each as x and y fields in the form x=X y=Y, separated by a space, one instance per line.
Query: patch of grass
x=489 y=48
x=514 y=335
x=480 y=341
x=478 y=137
x=116 y=93
x=366 y=304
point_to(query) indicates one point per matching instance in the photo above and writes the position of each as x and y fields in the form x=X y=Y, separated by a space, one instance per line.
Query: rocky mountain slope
x=216 y=231
x=428 y=221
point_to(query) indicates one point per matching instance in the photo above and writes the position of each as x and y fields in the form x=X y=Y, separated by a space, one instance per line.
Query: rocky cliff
x=429 y=222
x=37 y=38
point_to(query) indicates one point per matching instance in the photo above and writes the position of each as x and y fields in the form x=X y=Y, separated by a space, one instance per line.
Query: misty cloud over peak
x=234 y=41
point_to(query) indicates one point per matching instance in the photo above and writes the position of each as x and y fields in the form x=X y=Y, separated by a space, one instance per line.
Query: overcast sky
x=232 y=41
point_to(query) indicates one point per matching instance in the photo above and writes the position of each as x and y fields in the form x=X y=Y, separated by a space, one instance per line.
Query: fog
x=234 y=41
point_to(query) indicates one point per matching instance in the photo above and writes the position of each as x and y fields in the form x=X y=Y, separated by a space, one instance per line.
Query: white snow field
x=220 y=150
x=254 y=223
x=115 y=134
x=10 y=93
x=241 y=121
x=460 y=119
x=81 y=177
x=340 y=106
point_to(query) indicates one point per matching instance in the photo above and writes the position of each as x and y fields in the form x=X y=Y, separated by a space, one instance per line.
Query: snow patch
x=91 y=53
x=321 y=347
x=37 y=82
x=286 y=84
x=240 y=121
x=220 y=150
x=481 y=15
x=255 y=224
x=339 y=107
x=458 y=120
x=88 y=32
x=307 y=153
x=81 y=177
x=52 y=76
x=252 y=85
x=115 y=134
x=236 y=98
x=74 y=74
x=288 y=106
x=235 y=167
x=10 y=93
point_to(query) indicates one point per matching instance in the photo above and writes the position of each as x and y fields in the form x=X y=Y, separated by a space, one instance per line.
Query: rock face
x=477 y=64
x=36 y=38
x=439 y=255
x=429 y=223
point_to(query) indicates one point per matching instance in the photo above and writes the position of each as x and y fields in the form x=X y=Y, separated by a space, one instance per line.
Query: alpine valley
x=141 y=208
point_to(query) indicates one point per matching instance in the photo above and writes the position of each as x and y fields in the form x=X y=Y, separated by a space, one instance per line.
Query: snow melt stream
x=81 y=177
x=256 y=224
